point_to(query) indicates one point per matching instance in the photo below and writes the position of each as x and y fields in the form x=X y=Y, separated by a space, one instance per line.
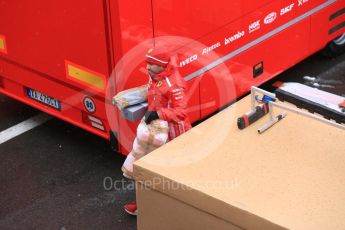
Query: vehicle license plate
x=44 y=99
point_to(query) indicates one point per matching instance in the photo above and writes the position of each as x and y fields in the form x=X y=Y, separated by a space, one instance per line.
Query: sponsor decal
x=287 y=9
x=189 y=60
x=207 y=50
x=270 y=18
x=302 y=2
x=234 y=37
x=254 y=26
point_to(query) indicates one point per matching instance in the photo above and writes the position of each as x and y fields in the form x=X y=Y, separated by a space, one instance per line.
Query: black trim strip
x=337 y=14
x=108 y=35
x=311 y=106
x=114 y=142
x=336 y=28
x=153 y=24
x=1 y=82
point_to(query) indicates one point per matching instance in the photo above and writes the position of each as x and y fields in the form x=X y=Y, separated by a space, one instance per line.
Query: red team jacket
x=166 y=95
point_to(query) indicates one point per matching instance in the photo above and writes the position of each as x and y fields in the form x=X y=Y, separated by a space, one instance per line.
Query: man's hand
x=150 y=116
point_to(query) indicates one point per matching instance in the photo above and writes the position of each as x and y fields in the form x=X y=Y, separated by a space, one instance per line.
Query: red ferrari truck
x=63 y=57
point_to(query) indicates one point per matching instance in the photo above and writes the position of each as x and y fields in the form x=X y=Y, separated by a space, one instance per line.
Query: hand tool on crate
x=271 y=122
x=331 y=106
x=252 y=116
x=259 y=111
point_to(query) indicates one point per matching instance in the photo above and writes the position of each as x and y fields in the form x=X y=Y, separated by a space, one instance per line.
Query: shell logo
x=270 y=18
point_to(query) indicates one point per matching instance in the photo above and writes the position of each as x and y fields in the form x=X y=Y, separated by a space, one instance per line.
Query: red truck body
x=68 y=50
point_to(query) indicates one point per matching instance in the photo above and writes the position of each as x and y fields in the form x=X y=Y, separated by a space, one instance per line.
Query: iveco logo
x=270 y=18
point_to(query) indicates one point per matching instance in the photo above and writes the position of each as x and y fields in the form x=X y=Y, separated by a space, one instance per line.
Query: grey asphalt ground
x=57 y=176
x=52 y=177
x=326 y=74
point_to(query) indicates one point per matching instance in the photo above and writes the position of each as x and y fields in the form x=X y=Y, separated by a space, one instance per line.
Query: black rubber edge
x=310 y=106
x=336 y=28
x=337 y=14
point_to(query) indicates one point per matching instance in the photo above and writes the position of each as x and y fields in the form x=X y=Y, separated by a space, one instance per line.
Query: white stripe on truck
x=257 y=41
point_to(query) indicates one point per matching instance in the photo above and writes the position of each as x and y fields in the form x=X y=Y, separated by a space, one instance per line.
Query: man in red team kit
x=166 y=95
x=166 y=98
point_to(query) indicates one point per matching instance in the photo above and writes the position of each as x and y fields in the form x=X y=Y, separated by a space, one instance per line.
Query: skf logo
x=287 y=9
x=270 y=18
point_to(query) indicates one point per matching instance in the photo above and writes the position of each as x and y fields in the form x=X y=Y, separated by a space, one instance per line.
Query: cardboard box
x=135 y=112
x=218 y=177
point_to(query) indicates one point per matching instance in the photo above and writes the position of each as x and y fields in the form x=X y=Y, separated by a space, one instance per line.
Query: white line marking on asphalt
x=23 y=127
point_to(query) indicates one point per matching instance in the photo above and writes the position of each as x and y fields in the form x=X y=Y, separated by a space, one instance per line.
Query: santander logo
x=270 y=18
